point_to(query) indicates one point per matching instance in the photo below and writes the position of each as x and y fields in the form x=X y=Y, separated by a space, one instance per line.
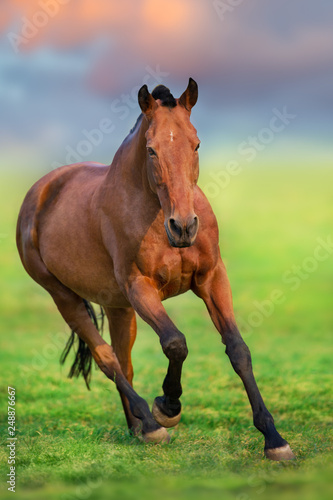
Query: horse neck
x=128 y=169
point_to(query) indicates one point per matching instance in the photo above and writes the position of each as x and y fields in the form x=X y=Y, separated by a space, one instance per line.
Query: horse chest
x=173 y=274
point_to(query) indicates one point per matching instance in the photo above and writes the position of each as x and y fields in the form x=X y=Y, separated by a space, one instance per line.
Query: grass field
x=74 y=444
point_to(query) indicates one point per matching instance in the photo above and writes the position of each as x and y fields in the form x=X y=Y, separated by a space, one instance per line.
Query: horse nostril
x=192 y=227
x=175 y=227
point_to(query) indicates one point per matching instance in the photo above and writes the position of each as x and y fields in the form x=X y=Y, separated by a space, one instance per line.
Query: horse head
x=172 y=158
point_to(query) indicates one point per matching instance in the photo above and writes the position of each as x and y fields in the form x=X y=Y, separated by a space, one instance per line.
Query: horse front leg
x=214 y=289
x=145 y=300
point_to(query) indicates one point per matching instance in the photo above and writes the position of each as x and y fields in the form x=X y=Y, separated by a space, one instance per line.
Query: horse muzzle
x=182 y=233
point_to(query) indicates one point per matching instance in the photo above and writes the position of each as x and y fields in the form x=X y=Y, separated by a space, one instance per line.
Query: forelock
x=163 y=93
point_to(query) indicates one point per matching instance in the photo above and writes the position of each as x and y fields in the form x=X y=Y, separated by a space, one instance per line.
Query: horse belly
x=92 y=279
x=81 y=264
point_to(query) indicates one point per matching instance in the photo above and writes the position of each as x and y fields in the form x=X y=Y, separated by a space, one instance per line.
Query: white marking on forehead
x=171 y=135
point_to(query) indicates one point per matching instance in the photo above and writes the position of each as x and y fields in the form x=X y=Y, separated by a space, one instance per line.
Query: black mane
x=136 y=124
x=163 y=93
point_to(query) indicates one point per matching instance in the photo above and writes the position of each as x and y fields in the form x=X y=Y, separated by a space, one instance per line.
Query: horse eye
x=198 y=146
x=151 y=152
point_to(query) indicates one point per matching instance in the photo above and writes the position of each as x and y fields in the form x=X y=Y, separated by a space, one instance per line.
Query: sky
x=70 y=71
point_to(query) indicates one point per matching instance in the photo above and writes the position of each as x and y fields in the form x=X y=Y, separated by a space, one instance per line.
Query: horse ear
x=146 y=101
x=190 y=96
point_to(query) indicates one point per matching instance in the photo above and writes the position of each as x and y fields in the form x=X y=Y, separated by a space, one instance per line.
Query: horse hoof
x=159 y=436
x=163 y=419
x=282 y=453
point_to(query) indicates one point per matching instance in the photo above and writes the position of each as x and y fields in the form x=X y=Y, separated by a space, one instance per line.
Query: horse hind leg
x=105 y=357
x=83 y=360
x=77 y=317
x=122 y=324
x=72 y=308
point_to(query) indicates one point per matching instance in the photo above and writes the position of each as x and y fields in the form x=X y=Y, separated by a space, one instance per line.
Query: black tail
x=83 y=357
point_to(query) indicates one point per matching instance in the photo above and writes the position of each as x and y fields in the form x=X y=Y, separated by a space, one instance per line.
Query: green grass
x=74 y=444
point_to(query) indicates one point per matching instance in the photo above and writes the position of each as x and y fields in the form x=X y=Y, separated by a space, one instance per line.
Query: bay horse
x=128 y=236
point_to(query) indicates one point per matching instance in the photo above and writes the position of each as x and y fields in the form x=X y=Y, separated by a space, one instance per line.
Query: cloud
x=89 y=53
x=256 y=42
